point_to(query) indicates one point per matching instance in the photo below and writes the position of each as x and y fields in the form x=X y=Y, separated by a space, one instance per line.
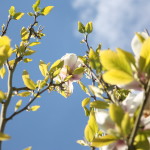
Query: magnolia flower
x=130 y=105
x=71 y=63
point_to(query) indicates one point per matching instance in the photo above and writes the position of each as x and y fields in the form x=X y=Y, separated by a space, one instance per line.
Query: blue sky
x=60 y=121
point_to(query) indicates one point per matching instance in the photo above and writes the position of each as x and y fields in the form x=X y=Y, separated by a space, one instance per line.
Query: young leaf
x=117 y=77
x=28 y=148
x=2 y=96
x=12 y=11
x=81 y=27
x=27 y=81
x=104 y=140
x=35 y=108
x=24 y=34
x=35 y=6
x=18 y=15
x=116 y=114
x=126 y=125
x=29 y=52
x=99 y=104
x=83 y=87
x=30 y=14
x=24 y=94
x=4 y=137
x=43 y=68
x=2 y=72
x=34 y=43
x=85 y=102
x=26 y=60
x=89 y=27
x=45 y=11
x=78 y=70
x=96 y=91
x=18 y=104
x=94 y=61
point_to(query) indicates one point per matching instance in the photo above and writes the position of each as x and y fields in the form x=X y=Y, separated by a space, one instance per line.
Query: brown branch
x=6 y=27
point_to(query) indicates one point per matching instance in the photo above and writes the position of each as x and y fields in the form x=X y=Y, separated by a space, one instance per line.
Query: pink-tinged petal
x=70 y=60
x=69 y=88
x=103 y=120
x=108 y=147
x=133 y=85
x=136 y=44
x=76 y=77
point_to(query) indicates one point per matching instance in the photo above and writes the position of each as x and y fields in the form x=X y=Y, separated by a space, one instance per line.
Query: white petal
x=103 y=120
x=136 y=44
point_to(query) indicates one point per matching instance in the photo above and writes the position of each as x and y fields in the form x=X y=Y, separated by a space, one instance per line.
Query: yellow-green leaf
x=117 y=77
x=96 y=91
x=88 y=133
x=85 y=102
x=28 y=148
x=78 y=70
x=56 y=65
x=24 y=34
x=116 y=60
x=18 y=104
x=116 y=114
x=81 y=142
x=89 y=27
x=34 y=43
x=27 y=81
x=99 y=104
x=29 y=52
x=24 y=94
x=4 y=137
x=26 y=60
x=18 y=15
x=68 y=78
x=45 y=11
x=81 y=27
x=35 y=6
x=104 y=140
x=56 y=73
x=43 y=68
x=2 y=72
x=84 y=88
x=2 y=96
x=94 y=61
x=35 y=108
x=144 y=61
x=12 y=11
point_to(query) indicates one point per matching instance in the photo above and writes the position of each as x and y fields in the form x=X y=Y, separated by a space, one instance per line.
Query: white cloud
x=115 y=21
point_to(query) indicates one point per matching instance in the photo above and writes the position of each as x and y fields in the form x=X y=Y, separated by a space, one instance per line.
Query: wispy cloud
x=115 y=21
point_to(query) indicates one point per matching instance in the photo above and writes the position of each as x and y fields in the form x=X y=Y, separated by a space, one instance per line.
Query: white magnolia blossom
x=130 y=105
x=71 y=62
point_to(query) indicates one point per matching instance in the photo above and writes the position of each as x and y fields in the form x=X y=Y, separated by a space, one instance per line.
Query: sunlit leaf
x=12 y=11
x=84 y=88
x=45 y=11
x=26 y=60
x=4 y=137
x=116 y=114
x=28 y=148
x=78 y=70
x=104 y=140
x=96 y=91
x=34 y=43
x=35 y=108
x=24 y=34
x=85 y=102
x=2 y=72
x=99 y=104
x=117 y=77
x=81 y=142
x=81 y=27
x=18 y=15
x=89 y=27
x=43 y=68
x=18 y=104
x=29 y=52
x=2 y=96
x=35 y=6
x=24 y=94
x=27 y=81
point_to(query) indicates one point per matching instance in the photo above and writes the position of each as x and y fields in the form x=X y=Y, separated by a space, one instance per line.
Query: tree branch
x=6 y=27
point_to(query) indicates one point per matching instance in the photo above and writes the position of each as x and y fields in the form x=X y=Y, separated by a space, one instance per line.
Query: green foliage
x=18 y=104
x=81 y=27
x=104 y=140
x=27 y=81
x=2 y=72
x=24 y=34
x=99 y=104
x=46 y=10
x=89 y=27
x=28 y=148
x=2 y=96
x=34 y=108
x=4 y=137
x=24 y=94
x=35 y=6
x=85 y=102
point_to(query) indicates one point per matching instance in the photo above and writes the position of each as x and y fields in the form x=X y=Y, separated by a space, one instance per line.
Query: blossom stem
x=137 y=121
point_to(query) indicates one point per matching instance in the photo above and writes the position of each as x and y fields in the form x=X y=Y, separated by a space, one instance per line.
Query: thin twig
x=6 y=27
